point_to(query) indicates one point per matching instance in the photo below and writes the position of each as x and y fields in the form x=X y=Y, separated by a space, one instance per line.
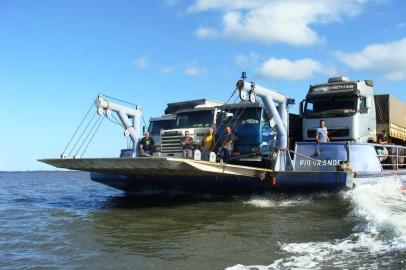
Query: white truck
x=197 y=116
x=352 y=112
x=157 y=124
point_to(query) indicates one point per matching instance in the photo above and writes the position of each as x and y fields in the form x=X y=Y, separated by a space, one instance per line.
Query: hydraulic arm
x=276 y=104
x=130 y=118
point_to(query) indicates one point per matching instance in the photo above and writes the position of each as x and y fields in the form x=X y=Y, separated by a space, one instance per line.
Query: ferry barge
x=352 y=159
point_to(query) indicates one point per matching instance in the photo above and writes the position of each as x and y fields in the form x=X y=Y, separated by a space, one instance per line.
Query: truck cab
x=346 y=106
x=156 y=124
x=255 y=132
x=197 y=117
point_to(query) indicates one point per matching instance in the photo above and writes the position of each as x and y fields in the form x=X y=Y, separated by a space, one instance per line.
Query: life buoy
x=383 y=153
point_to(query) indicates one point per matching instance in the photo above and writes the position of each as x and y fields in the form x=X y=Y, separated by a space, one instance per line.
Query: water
x=63 y=220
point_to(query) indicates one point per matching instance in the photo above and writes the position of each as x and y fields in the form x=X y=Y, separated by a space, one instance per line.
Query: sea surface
x=64 y=220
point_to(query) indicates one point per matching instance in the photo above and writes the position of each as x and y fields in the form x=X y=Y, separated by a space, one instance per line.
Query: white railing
x=391 y=156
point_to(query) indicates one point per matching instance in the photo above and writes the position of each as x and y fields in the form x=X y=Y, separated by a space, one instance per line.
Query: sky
x=56 y=56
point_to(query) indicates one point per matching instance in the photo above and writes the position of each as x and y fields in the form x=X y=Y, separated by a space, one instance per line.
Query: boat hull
x=228 y=184
x=151 y=175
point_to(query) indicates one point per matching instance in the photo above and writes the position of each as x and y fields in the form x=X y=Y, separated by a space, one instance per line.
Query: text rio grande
x=319 y=162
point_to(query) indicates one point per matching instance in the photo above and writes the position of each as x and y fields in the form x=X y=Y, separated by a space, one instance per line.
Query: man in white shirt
x=322 y=133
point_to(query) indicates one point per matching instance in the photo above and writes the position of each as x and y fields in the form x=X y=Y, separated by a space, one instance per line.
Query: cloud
x=205 y=5
x=142 y=62
x=168 y=70
x=277 y=21
x=206 y=32
x=171 y=3
x=248 y=60
x=195 y=71
x=285 y=69
x=389 y=58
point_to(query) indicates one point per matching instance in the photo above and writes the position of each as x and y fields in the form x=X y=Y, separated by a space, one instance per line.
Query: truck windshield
x=242 y=116
x=156 y=126
x=335 y=106
x=198 y=119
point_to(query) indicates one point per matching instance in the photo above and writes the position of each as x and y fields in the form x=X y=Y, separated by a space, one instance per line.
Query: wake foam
x=283 y=200
x=374 y=243
x=268 y=203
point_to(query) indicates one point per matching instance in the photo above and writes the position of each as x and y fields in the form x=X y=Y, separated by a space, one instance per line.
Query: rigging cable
x=87 y=136
x=74 y=134
x=123 y=101
x=228 y=123
x=115 y=121
x=94 y=133
x=220 y=138
x=77 y=141
x=143 y=120
x=120 y=100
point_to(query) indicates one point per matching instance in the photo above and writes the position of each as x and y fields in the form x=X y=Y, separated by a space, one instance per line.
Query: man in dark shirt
x=385 y=138
x=228 y=144
x=146 y=145
x=187 y=145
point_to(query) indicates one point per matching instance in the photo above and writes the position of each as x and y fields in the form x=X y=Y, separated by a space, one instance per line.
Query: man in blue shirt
x=322 y=133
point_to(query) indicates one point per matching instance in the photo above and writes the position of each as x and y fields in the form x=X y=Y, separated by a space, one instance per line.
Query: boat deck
x=157 y=166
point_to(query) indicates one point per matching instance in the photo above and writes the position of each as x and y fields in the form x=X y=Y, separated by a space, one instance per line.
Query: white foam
x=381 y=206
x=268 y=203
x=277 y=201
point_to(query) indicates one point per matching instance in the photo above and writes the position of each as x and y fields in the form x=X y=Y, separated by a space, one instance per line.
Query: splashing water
x=377 y=241
x=281 y=200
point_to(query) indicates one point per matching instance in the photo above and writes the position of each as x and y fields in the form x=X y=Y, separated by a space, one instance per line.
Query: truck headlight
x=255 y=149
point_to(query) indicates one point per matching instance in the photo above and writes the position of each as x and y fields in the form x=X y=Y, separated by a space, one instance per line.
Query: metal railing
x=391 y=156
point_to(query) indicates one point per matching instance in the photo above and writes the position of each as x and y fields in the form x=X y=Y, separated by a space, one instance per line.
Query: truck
x=156 y=124
x=391 y=117
x=254 y=130
x=195 y=116
x=352 y=112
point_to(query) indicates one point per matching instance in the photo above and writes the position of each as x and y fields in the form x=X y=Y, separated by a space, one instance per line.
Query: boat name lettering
x=319 y=162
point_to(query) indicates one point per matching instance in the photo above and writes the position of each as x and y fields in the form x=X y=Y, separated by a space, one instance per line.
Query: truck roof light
x=369 y=83
x=338 y=79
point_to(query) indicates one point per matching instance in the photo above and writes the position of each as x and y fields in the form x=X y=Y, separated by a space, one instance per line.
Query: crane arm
x=125 y=114
x=271 y=99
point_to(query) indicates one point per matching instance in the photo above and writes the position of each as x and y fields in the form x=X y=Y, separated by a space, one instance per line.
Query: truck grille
x=171 y=143
x=333 y=133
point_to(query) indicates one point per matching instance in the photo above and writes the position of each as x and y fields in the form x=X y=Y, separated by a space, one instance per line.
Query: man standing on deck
x=146 y=145
x=187 y=145
x=227 y=146
x=322 y=133
x=207 y=144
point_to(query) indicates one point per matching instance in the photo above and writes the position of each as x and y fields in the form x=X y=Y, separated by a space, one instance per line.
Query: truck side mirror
x=301 y=108
x=143 y=129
